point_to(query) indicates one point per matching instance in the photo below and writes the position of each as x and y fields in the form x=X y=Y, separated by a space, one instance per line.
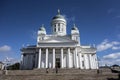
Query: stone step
x=60 y=77
x=63 y=74
x=44 y=71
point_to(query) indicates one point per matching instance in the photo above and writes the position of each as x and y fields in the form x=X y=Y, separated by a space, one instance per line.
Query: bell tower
x=75 y=34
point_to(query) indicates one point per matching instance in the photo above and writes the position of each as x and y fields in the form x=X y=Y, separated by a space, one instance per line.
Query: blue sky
x=97 y=20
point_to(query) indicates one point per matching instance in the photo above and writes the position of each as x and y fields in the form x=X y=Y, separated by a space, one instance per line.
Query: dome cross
x=58 y=11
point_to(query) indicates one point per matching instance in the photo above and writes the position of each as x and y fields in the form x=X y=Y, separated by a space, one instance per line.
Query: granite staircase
x=62 y=74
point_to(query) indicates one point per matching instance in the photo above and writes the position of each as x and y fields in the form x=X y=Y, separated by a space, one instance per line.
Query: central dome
x=59 y=16
x=59 y=24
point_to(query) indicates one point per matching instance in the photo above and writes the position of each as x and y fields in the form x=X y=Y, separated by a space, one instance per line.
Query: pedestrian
x=56 y=70
x=46 y=70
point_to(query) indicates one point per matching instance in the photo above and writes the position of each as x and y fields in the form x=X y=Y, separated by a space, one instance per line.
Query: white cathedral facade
x=58 y=49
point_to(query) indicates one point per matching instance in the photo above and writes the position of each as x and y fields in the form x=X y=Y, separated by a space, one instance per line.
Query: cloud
x=104 y=62
x=115 y=48
x=118 y=36
x=108 y=45
x=70 y=19
x=34 y=35
x=115 y=13
x=118 y=16
x=112 y=56
x=110 y=10
x=110 y=59
x=5 y=48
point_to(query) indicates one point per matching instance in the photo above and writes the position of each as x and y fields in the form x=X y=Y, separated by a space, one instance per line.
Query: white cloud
x=108 y=45
x=70 y=19
x=118 y=36
x=104 y=62
x=118 y=16
x=110 y=10
x=115 y=48
x=34 y=35
x=112 y=56
x=5 y=48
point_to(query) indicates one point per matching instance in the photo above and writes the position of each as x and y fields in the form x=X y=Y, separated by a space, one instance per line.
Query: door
x=57 y=63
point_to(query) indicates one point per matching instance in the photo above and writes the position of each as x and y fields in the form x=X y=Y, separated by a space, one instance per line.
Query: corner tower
x=58 y=25
x=75 y=34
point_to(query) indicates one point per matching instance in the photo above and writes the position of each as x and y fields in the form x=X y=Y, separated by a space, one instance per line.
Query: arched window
x=59 y=26
x=55 y=28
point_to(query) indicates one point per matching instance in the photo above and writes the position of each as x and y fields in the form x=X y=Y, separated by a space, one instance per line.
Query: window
x=82 y=55
x=62 y=29
x=59 y=28
x=58 y=24
x=83 y=63
x=55 y=29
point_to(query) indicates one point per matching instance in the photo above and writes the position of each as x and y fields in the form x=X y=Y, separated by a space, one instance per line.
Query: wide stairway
x=60 y=74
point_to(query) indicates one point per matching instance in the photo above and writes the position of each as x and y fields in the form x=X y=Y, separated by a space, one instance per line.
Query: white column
x=80 y=60
x=85 y=61
x=36 y=60
x=96 y=62
x=76 y=58
x=21 y=63
x=61 y=57
x=53 y=57
x=39 y=59
x=68 y=58
x=81 y=64
x=46 y=64
x=90 y=61
x=26 y=61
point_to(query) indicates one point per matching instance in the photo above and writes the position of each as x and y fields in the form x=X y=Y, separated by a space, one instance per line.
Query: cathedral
x=58 y=49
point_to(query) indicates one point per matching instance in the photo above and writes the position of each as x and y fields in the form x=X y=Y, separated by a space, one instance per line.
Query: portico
x=65 y=57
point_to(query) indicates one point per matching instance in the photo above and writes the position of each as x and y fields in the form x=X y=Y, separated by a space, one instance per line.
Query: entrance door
x=57 y=63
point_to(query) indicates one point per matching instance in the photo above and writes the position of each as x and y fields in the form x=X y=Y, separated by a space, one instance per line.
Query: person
x=98 y=71
x=56 y=70
x=46 y=70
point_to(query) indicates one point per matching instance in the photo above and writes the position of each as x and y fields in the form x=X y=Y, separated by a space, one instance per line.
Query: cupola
x=58 y=24
x=42 y=30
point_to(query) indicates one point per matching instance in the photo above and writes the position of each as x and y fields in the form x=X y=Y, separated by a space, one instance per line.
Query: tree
x=15 y=66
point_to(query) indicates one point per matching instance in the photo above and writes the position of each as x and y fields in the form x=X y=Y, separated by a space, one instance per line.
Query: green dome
x=58 y=16
x=74 y=27
x=42 y=28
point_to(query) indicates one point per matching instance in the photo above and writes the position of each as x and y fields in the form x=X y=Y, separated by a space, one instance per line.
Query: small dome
x=74 y=27
x=42 y=28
